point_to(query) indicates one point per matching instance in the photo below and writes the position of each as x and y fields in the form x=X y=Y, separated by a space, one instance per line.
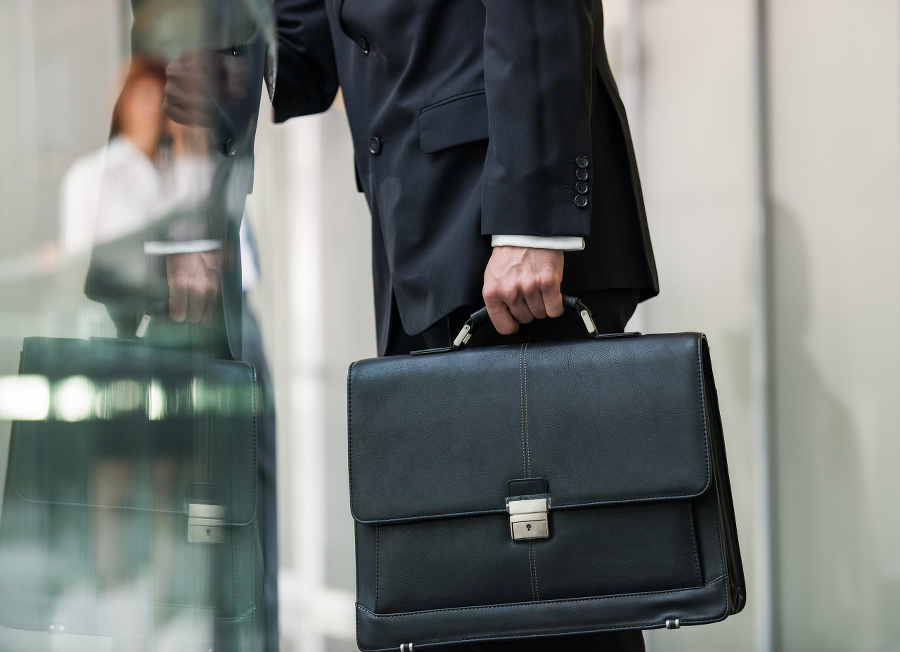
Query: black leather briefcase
x=129 y=508
x=537 y=490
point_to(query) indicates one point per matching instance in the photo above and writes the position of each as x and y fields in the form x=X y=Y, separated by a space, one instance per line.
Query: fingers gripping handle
x=477 y=319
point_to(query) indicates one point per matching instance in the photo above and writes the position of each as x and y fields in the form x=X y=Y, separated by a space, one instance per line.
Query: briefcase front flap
x=600 y=421
x=137 y=419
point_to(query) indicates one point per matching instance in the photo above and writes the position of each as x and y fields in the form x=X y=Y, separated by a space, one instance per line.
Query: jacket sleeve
x=306 y=80
x=539 y=77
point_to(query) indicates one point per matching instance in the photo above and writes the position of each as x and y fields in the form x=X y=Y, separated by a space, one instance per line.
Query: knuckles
x=523 y=288
x=548 y=282
x=556 y=311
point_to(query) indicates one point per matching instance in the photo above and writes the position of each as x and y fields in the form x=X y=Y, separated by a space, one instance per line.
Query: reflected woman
x=111 y=191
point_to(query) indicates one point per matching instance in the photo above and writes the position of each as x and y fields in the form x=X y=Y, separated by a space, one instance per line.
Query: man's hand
x=522 y=284
x=194 y=286
x=190 y=88
x=199 y=80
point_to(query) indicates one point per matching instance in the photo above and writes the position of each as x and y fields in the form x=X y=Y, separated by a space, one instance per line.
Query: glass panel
x=136 y=455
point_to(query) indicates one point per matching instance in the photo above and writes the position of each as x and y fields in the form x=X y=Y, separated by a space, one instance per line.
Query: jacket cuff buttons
x=581 y=186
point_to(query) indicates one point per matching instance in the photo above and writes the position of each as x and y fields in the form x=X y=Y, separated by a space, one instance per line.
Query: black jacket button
x=363 y=45
x=375 y=145
x=228 y=147
x=581 y=201
x=581 y=161
x=581 y=188
x=581 y=174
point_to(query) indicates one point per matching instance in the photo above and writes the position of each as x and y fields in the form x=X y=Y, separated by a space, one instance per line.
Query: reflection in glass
x=134 y=510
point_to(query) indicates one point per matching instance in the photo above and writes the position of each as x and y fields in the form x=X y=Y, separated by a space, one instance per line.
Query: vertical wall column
x=699 y=153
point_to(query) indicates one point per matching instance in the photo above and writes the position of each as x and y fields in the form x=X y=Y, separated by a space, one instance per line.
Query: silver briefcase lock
x=528 y=518
x=206 y=523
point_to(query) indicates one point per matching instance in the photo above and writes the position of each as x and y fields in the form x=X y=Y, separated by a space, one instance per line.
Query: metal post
x=764 y=544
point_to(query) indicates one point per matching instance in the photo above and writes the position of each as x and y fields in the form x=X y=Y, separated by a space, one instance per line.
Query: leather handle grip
x=478 y=318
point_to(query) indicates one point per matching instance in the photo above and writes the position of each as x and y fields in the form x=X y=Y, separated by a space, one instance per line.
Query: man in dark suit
x=494 y=153
x=489 y=139
x=493 y=150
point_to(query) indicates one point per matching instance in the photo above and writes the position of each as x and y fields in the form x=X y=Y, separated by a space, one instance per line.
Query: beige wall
x=698 y=149
x=835 y=200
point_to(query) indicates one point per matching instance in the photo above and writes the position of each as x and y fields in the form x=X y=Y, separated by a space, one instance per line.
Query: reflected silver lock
x=528 y=518
x=206 y=523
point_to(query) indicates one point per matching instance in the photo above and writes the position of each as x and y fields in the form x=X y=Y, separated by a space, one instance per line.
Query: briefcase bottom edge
x=693 y=606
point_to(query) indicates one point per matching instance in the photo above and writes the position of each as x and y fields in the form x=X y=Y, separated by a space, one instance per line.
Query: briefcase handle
x=478 y=318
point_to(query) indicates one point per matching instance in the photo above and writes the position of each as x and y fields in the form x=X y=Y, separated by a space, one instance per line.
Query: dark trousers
x=611 y=311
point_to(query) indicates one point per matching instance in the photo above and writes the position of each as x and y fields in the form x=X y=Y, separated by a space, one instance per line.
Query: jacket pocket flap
x=454 y=121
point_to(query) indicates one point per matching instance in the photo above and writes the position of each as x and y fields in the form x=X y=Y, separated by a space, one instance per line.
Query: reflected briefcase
x=130 y=500
x=545 y=489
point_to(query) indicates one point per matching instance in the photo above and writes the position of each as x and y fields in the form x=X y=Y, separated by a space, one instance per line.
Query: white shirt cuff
x=560 y=242
x=156 y=248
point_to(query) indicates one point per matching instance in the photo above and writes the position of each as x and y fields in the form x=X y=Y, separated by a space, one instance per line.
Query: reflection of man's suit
x=243 y=31
x=469 y=120
x=473 y=120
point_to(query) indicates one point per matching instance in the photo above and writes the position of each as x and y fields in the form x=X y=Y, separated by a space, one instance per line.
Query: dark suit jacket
x=471 y=118
x=120 y=275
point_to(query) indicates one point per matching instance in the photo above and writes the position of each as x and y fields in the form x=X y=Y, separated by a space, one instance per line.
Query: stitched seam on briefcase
x=531 y=568
x=709 y=465
x=712 y=481
x=526 y=459
x=14 y=430
x=377 y=547
x=536 y=589
x=225 y=619
x=522 y=408
x=525 y=392
x=206 y=418
x=690 y=507
x=528 y=604
x=228 y=407
x=650 y=624
x=208 y=584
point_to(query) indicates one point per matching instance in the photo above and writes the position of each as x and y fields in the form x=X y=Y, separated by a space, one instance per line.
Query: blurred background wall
x=768 y=136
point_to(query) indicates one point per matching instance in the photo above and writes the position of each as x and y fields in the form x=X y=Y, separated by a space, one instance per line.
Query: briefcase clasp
x=528 y=518
x=206 y=523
